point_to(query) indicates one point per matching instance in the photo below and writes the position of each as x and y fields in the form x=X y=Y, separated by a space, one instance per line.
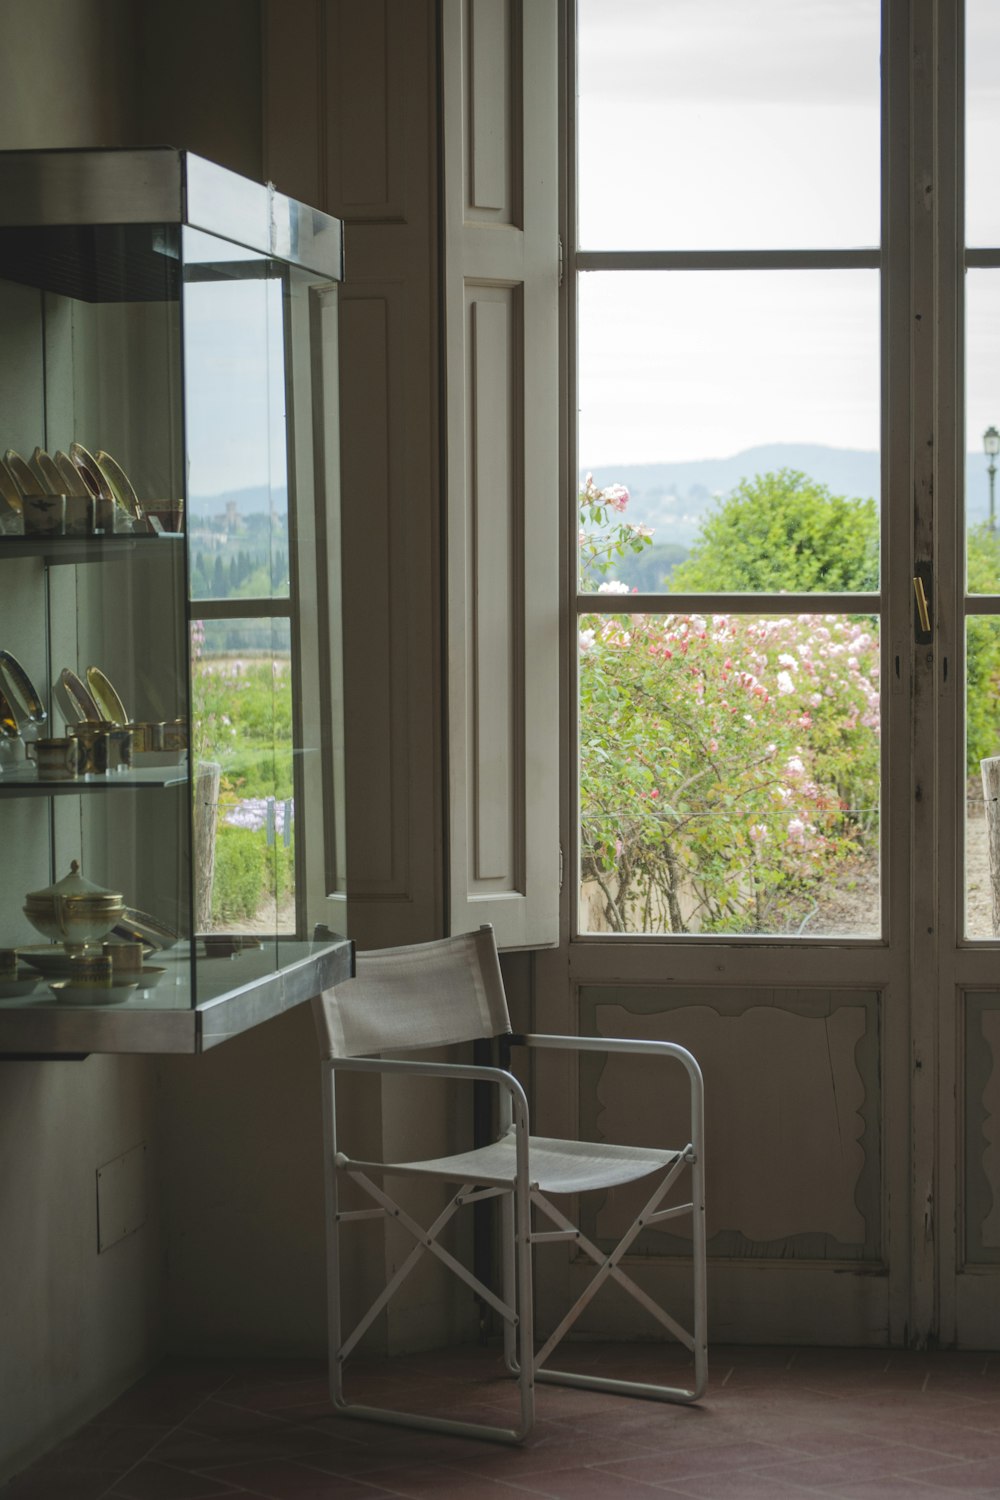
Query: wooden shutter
x=500 y=78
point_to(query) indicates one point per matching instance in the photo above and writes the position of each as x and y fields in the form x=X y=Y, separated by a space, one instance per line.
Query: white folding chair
x=438 y=994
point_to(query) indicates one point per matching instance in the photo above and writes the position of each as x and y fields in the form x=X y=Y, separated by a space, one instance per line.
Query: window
x=729 y=353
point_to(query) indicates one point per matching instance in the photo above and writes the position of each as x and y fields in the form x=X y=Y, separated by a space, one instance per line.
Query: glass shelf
x=23 y=781
x=85 y=549
x=234 y=994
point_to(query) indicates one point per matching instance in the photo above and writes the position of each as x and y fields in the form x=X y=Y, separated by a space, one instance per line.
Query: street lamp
x=991 y=443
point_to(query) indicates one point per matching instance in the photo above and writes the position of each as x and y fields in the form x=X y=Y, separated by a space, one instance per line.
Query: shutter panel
x=501 y=205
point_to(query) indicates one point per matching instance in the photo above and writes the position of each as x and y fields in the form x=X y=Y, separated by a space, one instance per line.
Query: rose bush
x=727 y=762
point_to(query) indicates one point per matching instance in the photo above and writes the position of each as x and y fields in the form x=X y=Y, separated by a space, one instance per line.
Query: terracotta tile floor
x=842 y=1424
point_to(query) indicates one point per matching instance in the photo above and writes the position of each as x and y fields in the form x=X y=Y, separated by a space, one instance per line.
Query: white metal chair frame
x=522 y=1171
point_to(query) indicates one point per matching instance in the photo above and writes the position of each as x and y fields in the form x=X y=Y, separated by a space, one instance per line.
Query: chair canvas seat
x=556 y=1166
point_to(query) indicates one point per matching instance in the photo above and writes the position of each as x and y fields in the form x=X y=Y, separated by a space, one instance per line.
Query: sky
x=748 y=126
x=704 y=124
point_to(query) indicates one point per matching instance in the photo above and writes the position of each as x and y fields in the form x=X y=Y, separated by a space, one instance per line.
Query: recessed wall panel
x=494 y=506
x=368 y=53
x=981 y=1178
x=489 y=114
x=772 y=1060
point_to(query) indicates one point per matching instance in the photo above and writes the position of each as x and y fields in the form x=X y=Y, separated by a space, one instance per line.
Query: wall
x=76 y=1325
x=200 y=66
x=231 y=1255
x=348 y=118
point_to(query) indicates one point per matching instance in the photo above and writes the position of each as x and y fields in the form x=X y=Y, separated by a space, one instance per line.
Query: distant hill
x=673 y=497
x=254 y=501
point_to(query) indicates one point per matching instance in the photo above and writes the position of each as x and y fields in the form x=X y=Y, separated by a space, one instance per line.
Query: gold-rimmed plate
x=71 y=480
x=20 y=689
x=93 y=994
x=90 y=469
x=9 y=727
x=139 y=927
x=104 y=695
x=48 y=472
x=8 y=489
x=75 y=701
x=119 y=484
x=50 y=959
x=23 y=984
x=22 y=474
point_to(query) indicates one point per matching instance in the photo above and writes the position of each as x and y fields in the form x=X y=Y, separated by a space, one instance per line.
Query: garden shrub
x=727 y=762
x=247 y=871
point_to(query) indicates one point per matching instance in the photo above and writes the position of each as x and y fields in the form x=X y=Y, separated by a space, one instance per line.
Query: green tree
x=783 y=530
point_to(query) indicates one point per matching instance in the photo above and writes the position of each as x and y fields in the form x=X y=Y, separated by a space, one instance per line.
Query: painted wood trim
x=501 y=362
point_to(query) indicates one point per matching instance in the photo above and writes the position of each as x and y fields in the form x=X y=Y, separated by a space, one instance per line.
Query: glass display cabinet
x=171 y=736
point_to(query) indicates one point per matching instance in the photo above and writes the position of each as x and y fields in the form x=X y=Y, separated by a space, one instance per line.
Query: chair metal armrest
x=474 y=1072
x=688 y=1061
x=609 y=1044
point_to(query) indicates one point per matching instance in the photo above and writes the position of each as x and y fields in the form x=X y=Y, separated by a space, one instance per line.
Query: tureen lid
x=74 y=886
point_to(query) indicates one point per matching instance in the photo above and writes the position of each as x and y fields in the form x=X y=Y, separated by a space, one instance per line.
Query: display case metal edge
x=63 y=1031
x=160 y=185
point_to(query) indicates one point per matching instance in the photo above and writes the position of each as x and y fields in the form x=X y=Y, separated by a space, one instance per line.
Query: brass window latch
x=923 y=612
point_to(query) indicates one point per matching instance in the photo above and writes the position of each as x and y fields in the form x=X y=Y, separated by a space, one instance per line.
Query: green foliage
x=247 y=873
x=243 y=720
x=983 y=652
x=727 y=764
x=606 y=540
x=783 y=531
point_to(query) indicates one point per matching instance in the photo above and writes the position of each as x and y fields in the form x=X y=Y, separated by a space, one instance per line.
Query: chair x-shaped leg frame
x=518 y=1197
x=427 y=1241
x=609 y=1268
x=520 y=1356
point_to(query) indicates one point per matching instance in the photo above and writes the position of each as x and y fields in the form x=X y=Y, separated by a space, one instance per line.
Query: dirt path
x=850 y=906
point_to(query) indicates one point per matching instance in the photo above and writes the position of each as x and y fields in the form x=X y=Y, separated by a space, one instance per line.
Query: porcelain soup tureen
x=74 y=911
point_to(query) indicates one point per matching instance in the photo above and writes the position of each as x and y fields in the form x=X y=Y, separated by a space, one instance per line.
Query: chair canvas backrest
x=423 y=995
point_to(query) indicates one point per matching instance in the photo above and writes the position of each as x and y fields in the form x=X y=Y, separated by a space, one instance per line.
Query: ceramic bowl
x=52 y=960
x=74 y=921
x=92 y=994
x=22 y=984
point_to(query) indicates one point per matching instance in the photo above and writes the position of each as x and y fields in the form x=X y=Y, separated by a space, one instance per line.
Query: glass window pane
x=982 y=742
x=982 y=355
x=729 y=775
x=718 y=124
x=242 y=718
x=753 y=389
x=982 y=128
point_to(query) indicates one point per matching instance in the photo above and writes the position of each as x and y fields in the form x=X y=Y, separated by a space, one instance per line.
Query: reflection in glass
x=697 y=386
x=238 y=513
x=718 y=124
x=982 y=742
x=242 y=717
x=729 y=774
